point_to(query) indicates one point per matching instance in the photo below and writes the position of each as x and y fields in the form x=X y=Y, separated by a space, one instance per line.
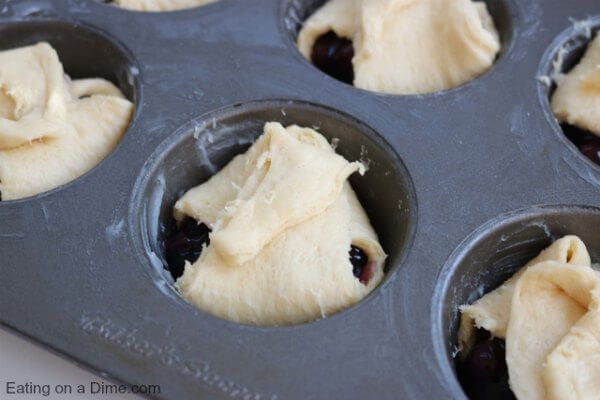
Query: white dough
x=409 y=46
x=160 y=5
x=48 y=135
x=551 y=323
x=573 y=367
x=283 y=218
x=492 y=311
x=577 y=97
x=552 y=343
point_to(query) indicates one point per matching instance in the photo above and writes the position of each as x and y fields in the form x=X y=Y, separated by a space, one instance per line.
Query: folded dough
x=160 y=5
x=409 y=46
x=492 y=311
x=576 y=99
x=283 y=218
x=52 y=130
x=552 y=341
x=549 y=314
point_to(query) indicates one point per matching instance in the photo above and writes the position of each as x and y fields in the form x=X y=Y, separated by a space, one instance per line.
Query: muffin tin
x=463 y=186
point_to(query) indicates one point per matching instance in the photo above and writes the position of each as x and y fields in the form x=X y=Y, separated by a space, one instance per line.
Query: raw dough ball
x=52 y=129
x=160 y=5
x=409 y=46
x=549 y=314
x=283 y=218
x=576 y=99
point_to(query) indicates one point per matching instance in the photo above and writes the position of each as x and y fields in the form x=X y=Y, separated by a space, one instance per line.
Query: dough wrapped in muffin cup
x=298 y=216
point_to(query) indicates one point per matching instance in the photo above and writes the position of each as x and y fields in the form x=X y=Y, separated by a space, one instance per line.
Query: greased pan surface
x=463 y=185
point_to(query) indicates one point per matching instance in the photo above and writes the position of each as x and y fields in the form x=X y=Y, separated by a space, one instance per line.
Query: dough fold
x=32 y=93
x=572 y=369
x=283 y=217
x=549 y=314
x=576 y=99
x=52 y=129
x=553 y=333
x=409 y=46
x=160 y=5
x=492 y=311
x=298 y=165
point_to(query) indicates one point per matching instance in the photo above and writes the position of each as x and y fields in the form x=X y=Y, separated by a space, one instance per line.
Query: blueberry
x=588 y=144
x=193 y=230
x=484 y=374
x=591 y=150
x=486 y=360
x=362 y=268
x=333 y=55
x=185 y=244
x=358 y=259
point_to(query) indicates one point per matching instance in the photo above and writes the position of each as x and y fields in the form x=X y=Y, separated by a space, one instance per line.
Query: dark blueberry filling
x=358 y=259
x=185 y=244
x=483 y=373
x=587 y=143
x=333 y=55
x=362 y=268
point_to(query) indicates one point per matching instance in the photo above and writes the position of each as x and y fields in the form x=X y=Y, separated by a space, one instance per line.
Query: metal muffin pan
x=80 y=265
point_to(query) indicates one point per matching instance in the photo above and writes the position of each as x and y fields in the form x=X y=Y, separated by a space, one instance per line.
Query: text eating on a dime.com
x=30 y=390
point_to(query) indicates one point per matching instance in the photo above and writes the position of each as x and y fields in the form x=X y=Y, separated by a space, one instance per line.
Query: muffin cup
x=491 y=255
x=199 y=149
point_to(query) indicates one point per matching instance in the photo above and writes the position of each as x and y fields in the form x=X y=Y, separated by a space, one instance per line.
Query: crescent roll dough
x=492 y=311
x=409 y=46
x=160 y=5
x=52 y=130
x=552 y=341
x=577 y=96
x=549 y=314
x=283 y=217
